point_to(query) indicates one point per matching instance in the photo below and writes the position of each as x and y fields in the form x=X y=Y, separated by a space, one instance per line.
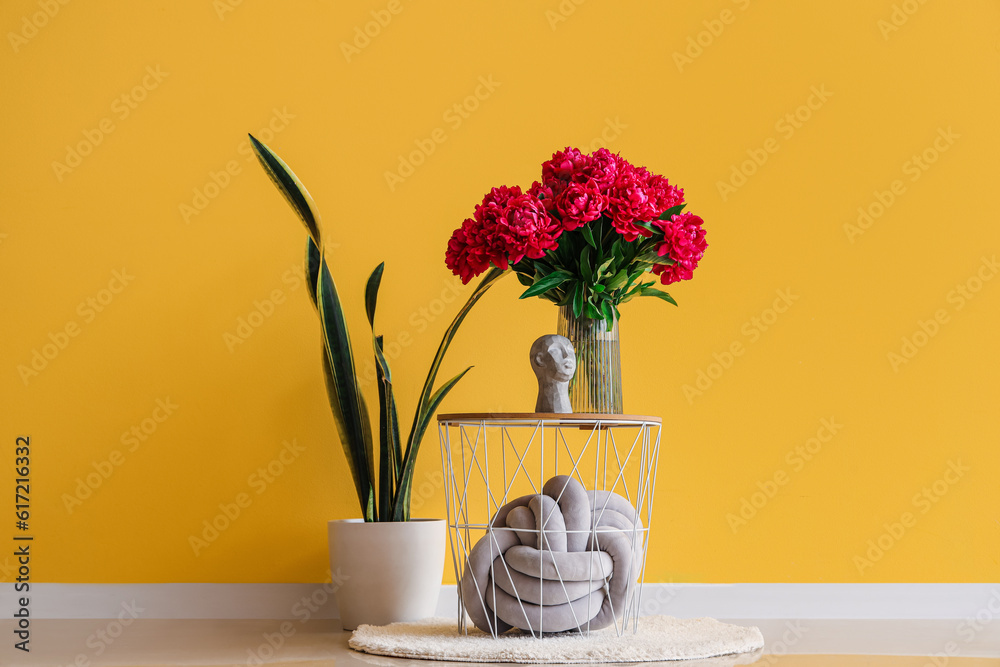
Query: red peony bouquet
x=585 y=235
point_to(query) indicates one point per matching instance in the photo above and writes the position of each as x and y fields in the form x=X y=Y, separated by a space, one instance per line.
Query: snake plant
x=388 y=498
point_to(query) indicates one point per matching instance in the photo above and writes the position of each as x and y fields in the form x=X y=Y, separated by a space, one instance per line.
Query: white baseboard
x=732 y=601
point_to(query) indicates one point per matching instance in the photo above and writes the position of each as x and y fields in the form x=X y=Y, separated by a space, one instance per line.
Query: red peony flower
x=601 y=167
x=629 y=201
x=545 y=194
x=672 y=273
x=562 y=166
x=684 y=243
x=526 y=229
x=508 y=225
x=575 y=190
x=466 y=256
x=580 y=203
x=663 y=194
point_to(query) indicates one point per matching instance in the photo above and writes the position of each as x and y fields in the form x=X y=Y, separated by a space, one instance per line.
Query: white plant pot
x=391 y=571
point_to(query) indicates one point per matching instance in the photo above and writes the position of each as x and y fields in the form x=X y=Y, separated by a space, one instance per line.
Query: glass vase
x=597 y=385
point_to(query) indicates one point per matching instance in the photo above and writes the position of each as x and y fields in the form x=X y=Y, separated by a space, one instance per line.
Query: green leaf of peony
x=608 y=312
x=633 y=275
x=672 y=211
x=618 y=280
x=578 y=299
x=659 y=294
x=588 y=236
x=630 y=292
x=651 y=257
x=545 y=283
x=646 y=225
x=542 y=267
x=618 y=250
x=586 y=270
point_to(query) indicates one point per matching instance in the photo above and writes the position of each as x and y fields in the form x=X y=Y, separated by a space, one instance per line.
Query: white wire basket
x=549 y=518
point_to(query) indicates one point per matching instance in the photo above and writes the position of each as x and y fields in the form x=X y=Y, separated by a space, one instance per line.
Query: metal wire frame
x=465 y=453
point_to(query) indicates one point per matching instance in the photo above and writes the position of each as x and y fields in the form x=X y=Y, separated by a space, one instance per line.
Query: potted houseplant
x=585 y=237
x=391 y=564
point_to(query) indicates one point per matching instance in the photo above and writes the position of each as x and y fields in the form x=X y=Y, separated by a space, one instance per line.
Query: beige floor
x=98 y=643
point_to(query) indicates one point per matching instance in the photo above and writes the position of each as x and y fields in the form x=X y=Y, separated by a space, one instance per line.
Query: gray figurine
x=554 y=362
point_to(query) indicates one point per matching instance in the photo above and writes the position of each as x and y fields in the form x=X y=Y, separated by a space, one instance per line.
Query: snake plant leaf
x=360 y=480
x=370 y=514
x=291 y=187
x=390 y=499
x=401 y=511
x=389 y=452
x=354 y=428
x=390 y=460
x=397 y=442
x=371 y=292
x=371 y=301
x=491 y=277
x=313 y=256
x=545 y=283
x=366 y=434
x=425 y=410
x=659 y=294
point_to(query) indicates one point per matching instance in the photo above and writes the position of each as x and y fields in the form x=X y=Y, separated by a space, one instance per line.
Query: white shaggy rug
x=658 y=638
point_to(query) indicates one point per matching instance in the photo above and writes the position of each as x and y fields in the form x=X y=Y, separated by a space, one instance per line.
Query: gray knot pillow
x=564 y=559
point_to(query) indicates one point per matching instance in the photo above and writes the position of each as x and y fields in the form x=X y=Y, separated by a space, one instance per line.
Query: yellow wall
x=886 y=87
